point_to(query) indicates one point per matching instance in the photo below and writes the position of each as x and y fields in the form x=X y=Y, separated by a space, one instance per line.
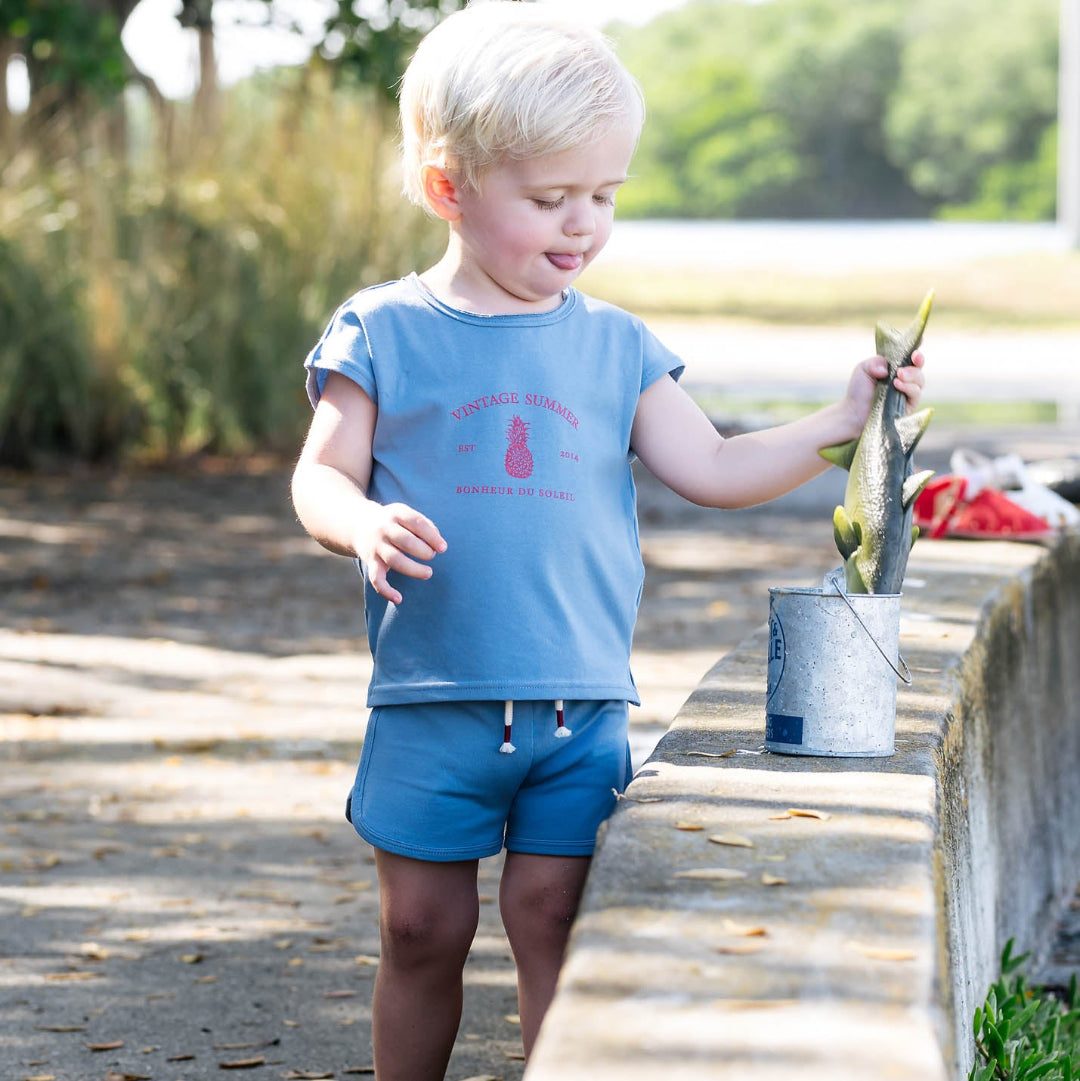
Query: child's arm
x=329 y=489
x=678 y=443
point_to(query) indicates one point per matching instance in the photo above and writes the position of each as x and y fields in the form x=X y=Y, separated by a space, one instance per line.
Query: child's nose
x=579 y=222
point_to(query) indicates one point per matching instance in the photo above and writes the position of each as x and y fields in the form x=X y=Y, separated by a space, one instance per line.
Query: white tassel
x=508 y=723
x=561 y=731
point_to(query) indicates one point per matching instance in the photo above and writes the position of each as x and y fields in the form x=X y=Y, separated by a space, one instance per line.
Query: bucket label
x=780 y=728
x=777 y=657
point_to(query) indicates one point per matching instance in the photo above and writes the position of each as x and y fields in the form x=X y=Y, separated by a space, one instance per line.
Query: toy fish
x=873 y=528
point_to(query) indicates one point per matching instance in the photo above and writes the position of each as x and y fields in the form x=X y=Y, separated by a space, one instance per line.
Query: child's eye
x=604 y=200
x=548 y=204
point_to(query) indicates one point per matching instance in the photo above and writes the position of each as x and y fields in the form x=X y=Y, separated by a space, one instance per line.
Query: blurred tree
x=75 y=60
x=830 y=69
x=72 y=49
x=198 y=15
x=977 y=91
x=710 y=148
x=768 y=110
x=371 y=43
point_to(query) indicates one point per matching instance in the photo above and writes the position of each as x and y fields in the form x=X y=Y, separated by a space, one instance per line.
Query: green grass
x=989 y=414
x=1022 y=1033
x=1021 y=292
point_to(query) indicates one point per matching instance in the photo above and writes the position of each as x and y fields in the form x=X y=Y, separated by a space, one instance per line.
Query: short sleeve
x=657 y=359
x=344 y=348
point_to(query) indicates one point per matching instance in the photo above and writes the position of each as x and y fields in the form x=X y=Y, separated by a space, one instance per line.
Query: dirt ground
x=182 y=681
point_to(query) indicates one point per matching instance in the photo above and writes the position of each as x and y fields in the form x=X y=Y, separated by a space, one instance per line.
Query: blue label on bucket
x=780 y=728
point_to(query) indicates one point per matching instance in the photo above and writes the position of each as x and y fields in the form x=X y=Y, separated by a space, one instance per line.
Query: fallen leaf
x=780 y=817
x=339 y=994
x=94 y=952
x=180 y=1058
x=734 y=839
x=516 y=1055
x=485 y=1077
x=192 y=958
x=294 y=962
x=722 y=874
x=690 y=827
x=116 y=1075
x=41 y=1077
x=366 y=959
x=739 y=948
x=205 y=979
x=359 y=1069
x=804 y=812
x=512 y=1018
x=884 y=953
x=308 y=1075
x=746 y=930
x=773 y=880
x=136 y=936
x=711 y=754
x=60 y=1028
x=70 y=977
x=243 y=1063
x=112 y=1046
x=291 y=1024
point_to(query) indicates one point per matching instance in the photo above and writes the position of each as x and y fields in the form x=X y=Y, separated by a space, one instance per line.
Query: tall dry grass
x=160 y=305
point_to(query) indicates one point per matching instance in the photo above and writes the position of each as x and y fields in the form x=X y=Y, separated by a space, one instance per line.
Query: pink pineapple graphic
x=519 y=459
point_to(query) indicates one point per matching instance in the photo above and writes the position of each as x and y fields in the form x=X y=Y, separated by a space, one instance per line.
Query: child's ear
x=440 y=193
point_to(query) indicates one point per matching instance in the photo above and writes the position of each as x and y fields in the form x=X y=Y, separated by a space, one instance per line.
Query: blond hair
x=505 y=80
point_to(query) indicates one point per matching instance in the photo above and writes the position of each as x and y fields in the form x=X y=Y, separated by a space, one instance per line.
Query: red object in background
x=942 y=511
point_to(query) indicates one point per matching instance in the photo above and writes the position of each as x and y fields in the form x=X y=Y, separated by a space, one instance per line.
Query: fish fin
x=898 y=345
x=853 y=577
x=913 y=486
x=848 y=534
x=841 y=454
x=911 y=428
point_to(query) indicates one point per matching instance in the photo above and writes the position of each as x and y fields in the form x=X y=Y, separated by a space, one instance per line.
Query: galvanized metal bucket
x=832 y=677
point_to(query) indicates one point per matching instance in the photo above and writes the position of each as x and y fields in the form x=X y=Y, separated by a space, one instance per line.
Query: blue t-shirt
x=512 y=434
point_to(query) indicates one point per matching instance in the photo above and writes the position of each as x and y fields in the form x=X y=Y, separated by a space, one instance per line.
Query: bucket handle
x=906 y=674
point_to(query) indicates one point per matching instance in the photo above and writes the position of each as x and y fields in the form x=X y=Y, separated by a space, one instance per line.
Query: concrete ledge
x=895 y=908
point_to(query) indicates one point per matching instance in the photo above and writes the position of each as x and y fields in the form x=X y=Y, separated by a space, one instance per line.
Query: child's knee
x=542 y=911
x=419 y=935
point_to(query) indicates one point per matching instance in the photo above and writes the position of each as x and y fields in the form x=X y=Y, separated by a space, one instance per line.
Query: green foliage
x=52 y=398
x=67 y=43
x=1023 y=1033
x=814 y=108
x=185 y=293
x=372 y=43
x=977 y=89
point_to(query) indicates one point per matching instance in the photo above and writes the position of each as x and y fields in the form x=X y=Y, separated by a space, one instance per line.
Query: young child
x=471 y=446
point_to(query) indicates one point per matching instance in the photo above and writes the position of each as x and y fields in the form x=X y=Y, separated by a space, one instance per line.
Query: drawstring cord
x=561 y=731
x=508 y=723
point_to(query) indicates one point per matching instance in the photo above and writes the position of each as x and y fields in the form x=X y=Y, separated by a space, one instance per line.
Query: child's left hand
x=909 y=380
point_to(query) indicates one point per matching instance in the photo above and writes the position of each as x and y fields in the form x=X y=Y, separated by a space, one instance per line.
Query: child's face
x=534 y=225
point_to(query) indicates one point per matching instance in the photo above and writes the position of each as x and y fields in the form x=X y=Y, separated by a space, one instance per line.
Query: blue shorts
x=433 y=785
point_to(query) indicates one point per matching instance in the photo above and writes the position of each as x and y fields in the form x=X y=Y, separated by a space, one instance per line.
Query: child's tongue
x=564 y=261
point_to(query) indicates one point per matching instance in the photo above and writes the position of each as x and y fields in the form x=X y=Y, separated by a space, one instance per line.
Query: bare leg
x=539 y=898
x=427 y=919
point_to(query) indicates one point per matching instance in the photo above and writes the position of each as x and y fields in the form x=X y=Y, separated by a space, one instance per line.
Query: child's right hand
x=393 y=538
